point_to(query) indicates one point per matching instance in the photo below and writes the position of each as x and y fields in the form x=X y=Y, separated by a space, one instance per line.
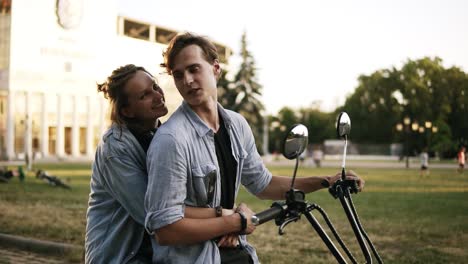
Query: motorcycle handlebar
x=268 y=214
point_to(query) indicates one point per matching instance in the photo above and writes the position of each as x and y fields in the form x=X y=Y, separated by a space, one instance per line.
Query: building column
x=102 y=116
x=120 y=25
x=75 y=129
x=10 y=124
x=152 y=35
x=28 y=130
x=44 y=127
x=60 y=130
x=89 y=128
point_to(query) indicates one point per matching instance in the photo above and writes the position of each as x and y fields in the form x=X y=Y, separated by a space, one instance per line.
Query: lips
x=161 y=104
x=194 y=91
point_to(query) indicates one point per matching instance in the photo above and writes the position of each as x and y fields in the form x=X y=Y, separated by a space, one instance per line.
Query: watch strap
x=243 y=221
x=219 y=211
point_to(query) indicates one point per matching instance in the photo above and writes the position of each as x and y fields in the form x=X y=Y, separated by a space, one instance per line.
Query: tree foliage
x=243 y=94
x=321 y=125
x=422 y=90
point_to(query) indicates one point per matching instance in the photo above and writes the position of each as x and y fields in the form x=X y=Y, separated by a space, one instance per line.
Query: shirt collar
x=199 y=125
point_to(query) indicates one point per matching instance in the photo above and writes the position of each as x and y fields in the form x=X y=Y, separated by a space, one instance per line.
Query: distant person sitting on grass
x=51 y=180
x=5 y=175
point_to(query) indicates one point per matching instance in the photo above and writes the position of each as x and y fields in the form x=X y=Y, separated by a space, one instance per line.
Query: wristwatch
x=219 y=211
x=243 y=221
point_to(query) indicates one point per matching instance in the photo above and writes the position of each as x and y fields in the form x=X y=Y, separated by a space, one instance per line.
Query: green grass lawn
x=409 y=219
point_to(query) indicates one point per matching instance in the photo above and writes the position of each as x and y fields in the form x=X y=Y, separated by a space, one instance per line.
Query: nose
x=158 y=94
x=188 y=78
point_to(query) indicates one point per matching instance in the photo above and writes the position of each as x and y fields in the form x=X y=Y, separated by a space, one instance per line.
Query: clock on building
x=69 y=13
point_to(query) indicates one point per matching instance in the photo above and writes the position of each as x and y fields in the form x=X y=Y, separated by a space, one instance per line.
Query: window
x=136 y=30
x=5 y=6
x=164 y=36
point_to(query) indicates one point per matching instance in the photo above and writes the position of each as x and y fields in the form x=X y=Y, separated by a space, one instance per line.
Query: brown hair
x=183 y=40
x=114 y=90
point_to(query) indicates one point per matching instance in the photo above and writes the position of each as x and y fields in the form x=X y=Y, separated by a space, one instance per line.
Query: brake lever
x=287 y=222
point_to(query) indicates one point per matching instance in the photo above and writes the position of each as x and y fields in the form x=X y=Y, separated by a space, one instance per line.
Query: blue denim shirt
x=115 y=217
x=180 y=170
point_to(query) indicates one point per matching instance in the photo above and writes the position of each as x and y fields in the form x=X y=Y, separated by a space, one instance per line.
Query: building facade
x=52 y=54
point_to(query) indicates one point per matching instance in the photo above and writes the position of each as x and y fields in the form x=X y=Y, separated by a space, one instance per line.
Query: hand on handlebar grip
x=350 y=176
x=248 y=215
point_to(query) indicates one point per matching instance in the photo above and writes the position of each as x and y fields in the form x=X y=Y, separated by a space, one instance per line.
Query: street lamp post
x=406 y=129
x=430 y=129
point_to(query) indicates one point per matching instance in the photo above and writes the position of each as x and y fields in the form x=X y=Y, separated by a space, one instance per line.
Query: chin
x=162 y=113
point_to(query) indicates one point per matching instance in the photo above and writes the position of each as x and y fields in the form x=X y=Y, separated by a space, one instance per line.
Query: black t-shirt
x=227 y=165
x=228 y=170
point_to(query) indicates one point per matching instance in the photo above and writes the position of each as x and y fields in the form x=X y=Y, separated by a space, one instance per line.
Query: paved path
x=13 y=256
x=22 y=250
x=356 y=164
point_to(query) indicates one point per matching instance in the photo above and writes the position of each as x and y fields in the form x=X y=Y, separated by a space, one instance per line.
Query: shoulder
x=235 y=118
x=174 y=122
x=171 y=135
x=117 y=141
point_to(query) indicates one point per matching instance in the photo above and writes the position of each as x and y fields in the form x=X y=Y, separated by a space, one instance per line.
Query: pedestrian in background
x=461 y=159
x=424 y=163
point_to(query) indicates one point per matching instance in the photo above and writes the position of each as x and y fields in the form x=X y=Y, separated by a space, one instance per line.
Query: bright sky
x=314 y=50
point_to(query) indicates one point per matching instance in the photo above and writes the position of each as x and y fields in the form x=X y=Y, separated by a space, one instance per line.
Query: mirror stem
x=295 y=171
x=344 y=158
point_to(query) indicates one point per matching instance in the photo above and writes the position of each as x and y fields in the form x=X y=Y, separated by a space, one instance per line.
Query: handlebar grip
x=267 y=215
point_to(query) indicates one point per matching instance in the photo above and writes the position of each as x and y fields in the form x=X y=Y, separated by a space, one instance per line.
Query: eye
x=194 y=69
x=177 y=75
x=156 y=87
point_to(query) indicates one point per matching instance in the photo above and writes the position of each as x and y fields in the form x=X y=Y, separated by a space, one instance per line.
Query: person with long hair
x=115 y=230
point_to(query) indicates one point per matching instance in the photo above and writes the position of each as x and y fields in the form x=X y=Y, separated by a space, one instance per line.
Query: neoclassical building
x=52 y=54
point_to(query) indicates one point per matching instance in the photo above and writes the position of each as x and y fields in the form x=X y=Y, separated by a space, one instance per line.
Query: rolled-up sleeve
x=167 y=178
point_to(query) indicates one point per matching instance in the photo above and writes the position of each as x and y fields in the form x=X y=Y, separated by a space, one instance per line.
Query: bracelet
x=219 y=211
x=243 y=221
x=325 y=183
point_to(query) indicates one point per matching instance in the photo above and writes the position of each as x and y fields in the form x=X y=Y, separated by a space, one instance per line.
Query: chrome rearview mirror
x=343 y=125
x=295 y=142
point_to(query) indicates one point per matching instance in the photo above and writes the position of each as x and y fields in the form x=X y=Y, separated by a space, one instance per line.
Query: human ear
x=127 y=112
x=217 y=68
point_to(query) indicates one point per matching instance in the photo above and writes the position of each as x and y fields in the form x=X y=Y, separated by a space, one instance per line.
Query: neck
x=143 y=126
x=209 y=114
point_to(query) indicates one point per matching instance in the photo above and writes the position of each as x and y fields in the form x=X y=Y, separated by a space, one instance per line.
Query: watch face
x=69 y=13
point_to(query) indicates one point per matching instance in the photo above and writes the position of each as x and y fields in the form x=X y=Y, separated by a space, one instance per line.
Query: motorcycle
x=290 y=210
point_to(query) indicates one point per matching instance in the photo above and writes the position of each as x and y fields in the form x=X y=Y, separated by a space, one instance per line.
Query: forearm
x=203 y=212
x=279 y=185
x=314 y=183
x=191 y=231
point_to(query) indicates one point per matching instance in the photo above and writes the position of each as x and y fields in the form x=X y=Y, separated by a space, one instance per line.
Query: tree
x=422 y=90
x=243 y=95
x=321 y=125
x=279 y=125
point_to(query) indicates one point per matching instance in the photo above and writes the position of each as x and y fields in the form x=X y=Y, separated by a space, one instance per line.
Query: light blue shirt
x=115 y=217
x=179 y=172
